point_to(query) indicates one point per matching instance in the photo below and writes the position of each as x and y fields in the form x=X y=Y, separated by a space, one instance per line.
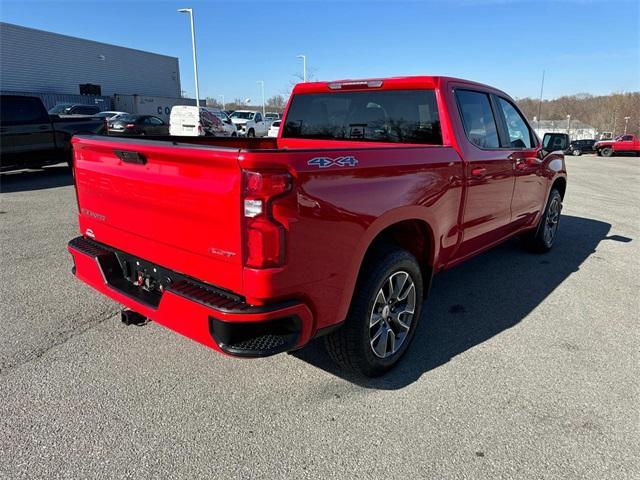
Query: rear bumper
x=213 y=317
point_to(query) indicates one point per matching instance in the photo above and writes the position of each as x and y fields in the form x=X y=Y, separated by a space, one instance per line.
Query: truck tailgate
x=175 y=205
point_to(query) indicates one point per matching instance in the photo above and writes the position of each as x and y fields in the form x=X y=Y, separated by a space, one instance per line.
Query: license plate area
x=143 y=274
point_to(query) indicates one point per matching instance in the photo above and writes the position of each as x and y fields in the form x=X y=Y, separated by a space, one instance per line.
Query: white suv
x=249 y=123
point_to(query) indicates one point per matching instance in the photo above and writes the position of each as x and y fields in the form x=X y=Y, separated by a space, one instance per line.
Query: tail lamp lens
x=265 y=243
x=265 y=237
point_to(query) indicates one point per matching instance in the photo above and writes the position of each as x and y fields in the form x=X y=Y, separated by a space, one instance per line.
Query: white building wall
x=38 y=61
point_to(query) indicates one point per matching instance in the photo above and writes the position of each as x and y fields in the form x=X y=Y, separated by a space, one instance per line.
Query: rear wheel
x=607 y=151
x=542 y=239
x=577 y=153
x=383 y=316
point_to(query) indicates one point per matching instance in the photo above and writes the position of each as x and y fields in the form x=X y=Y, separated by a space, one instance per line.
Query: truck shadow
x=480 y=299
x=29 y=180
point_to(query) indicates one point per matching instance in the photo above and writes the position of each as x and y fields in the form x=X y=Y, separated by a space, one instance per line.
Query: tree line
x=606 y=113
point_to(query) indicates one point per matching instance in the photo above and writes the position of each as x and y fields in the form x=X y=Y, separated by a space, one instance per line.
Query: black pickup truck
x=30 y=137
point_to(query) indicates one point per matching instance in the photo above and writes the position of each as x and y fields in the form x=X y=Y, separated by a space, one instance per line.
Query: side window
x=519 y=134
x=88 y=110
x=477 y=118
x=626 y=138
x=21 y=110
x=156 y=121
x=258 y=117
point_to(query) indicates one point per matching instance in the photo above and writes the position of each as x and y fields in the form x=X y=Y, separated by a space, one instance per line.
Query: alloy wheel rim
x=392 y=314
x=552 y=221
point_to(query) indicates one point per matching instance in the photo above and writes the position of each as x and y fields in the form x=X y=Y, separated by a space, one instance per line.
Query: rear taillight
x=130 y=125
x=265 y=237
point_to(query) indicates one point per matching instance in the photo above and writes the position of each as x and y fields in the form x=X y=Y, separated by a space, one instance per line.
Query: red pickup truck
x=623 y=144
x=336 y=228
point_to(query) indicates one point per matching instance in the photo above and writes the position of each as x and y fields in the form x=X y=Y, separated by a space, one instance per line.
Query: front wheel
x=607 y=152
x=383 y=316
x=542 y=239
x=251 y=133
x=577 y=153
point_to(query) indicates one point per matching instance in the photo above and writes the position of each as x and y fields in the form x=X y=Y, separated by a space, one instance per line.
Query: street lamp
x=304 y=67
x=568 y=124
x=222 y=96
x=193 y=47
x=261 y=82
x=626 y=122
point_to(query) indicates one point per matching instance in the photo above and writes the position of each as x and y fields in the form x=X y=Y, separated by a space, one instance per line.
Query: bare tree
x=276 y=103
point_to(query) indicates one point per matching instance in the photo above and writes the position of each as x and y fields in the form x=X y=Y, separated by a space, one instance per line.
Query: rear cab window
x=397 y=116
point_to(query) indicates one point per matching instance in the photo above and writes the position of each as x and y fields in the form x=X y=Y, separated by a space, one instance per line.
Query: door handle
x=478 y=172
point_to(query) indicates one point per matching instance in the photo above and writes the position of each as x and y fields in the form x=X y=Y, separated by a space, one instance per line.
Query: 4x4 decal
x=325 y=162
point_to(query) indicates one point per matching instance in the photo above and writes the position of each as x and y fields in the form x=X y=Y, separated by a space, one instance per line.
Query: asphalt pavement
x=525 y=366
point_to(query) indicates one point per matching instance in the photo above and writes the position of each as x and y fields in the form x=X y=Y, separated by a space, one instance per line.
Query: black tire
x=251 y=133
x=233 y=134
x=351 y=346
x=541 y=240
x=606 y=151
x=577 y=153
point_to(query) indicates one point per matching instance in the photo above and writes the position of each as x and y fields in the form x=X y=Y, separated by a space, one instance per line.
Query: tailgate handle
x=131 y=157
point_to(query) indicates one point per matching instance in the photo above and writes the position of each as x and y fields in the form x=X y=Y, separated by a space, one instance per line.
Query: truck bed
x=177 y=201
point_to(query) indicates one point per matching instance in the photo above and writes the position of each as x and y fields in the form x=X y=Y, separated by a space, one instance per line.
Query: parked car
x=621 y=145
x=578 y=147
x=274 y=129
x=110 y=114
x=271 y=117
x=249 y=123
x=138 y=125
x=187 y=120
x=63 y=109
x=343 y=220
x=30 y=137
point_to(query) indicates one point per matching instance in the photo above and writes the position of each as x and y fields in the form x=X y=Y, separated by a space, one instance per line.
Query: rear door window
x=478 y=119
x=86 y=110
x=399 y=116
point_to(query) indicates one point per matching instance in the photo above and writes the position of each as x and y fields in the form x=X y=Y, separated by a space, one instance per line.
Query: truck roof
x=389 y=83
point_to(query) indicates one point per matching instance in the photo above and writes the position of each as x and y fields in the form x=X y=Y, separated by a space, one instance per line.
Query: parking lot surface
x=524 y=366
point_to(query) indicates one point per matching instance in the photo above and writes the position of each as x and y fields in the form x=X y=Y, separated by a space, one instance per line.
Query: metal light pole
x=304 y=67
x=568 y=124
x=261 y=82
x=193 y=47
x=540 y=103
x=222 y=96
x=626 y=122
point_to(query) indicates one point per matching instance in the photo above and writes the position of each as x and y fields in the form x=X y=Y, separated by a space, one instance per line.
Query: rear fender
x=380 y=224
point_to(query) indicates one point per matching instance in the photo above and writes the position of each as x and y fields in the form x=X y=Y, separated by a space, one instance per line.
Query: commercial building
x=45 y=63
x=577 y=130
